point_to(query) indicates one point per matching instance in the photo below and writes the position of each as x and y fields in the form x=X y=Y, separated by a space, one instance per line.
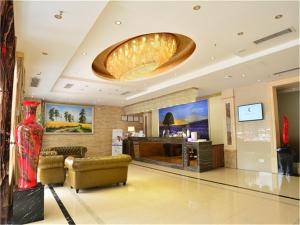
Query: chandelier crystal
x=143 y=56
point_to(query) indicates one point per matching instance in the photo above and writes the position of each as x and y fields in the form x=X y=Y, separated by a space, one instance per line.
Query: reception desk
x=172 y=152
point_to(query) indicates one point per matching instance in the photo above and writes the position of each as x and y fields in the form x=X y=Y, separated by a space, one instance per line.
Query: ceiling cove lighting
x=235 y=60
x=143 y=56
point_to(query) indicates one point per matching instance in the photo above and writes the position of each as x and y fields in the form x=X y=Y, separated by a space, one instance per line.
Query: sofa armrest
x=54 y=161
x=69 y=162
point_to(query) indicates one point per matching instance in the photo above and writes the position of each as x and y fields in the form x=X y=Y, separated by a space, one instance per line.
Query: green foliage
x=169 y=119
x=51 y=114
x=66 y=115
x=82 y=117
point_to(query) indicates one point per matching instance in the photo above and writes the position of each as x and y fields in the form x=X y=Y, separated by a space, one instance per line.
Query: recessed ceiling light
x=118 y=22
x=44 y=53
x=258 y=80
x=212 y=58
x=84 y=53
x=240 y=33
x=279 y=16
x=196 y=7
x=243 y=75
x=227 y=76
x=59 y=16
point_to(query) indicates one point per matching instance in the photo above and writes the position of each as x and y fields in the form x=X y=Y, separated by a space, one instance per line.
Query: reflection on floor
x=171 y=159
x=153 y=196
x=281 y=185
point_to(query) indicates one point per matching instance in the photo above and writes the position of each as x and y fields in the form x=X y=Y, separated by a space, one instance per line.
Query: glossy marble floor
x=153 y=196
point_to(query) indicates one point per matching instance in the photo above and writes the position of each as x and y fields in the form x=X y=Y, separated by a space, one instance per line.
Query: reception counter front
x=172 y=151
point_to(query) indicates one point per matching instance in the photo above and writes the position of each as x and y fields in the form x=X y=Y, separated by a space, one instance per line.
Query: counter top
x=175 y=140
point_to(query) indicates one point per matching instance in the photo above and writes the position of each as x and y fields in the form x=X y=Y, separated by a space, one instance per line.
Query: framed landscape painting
x=68 y=119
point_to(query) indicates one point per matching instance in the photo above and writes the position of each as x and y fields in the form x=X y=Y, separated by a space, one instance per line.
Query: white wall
x=254 y=137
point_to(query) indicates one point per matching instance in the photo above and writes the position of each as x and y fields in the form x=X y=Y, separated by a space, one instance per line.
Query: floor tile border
x=62 y=206
x=216 y=182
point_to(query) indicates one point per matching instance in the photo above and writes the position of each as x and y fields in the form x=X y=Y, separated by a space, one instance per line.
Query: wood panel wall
x=7 y=64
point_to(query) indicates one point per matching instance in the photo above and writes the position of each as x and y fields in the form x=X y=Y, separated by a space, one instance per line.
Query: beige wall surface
x=180 y=97
x=215 y=120
x=254 y=137
x=106 y=118
x=288 y=104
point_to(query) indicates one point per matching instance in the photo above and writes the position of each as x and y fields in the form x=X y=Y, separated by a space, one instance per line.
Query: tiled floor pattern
x=156 y=197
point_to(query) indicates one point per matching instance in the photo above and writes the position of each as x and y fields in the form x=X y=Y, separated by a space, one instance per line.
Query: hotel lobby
x=149 y=112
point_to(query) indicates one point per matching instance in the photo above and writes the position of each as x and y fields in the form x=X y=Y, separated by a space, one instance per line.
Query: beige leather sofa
x=51 y=163
x=97 y=171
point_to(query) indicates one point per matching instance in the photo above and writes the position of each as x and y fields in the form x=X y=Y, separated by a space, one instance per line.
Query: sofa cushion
x=98 y=162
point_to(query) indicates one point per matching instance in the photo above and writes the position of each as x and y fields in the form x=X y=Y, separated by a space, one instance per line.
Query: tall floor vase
x=29 y=140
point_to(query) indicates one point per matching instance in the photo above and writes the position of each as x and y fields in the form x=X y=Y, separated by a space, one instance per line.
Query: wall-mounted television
x=250 y=112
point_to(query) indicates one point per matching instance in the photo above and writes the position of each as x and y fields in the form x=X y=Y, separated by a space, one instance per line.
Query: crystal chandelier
x=143 y=56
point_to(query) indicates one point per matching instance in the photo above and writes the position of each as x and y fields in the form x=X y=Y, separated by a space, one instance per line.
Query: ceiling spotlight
x=118 y=22
x=279 y=16
x=240 y=33
x=84 y=53
x=227 y=76
x=258 y=80
x=196 y=7
x=243 y=75
x=59 y=16
x=44 y=53
x=212 y=58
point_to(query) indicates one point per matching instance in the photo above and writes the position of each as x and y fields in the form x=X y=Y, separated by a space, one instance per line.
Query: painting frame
x=130 y=118
x=192 y=116
x=83 y=130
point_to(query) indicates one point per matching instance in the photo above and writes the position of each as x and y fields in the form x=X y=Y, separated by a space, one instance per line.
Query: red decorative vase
x=29 y=140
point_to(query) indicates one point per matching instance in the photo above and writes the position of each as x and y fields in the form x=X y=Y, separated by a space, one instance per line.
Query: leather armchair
x=51 y=163
x=97 y=171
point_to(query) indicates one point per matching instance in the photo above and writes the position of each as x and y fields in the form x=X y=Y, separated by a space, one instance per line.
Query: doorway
x=288 y=106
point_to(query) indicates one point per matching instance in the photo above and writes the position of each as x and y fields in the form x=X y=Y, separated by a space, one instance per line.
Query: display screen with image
x=250 y=112
x=192 y=116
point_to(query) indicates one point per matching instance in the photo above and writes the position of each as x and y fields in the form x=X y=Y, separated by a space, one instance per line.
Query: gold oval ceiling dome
x=143 y=56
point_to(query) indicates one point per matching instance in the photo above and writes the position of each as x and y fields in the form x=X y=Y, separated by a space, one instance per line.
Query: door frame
x=275 y=143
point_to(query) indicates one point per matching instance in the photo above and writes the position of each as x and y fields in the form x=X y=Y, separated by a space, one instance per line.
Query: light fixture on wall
x=131 y=130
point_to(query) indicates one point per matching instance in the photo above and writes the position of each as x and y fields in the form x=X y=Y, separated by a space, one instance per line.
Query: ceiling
x=88 y=28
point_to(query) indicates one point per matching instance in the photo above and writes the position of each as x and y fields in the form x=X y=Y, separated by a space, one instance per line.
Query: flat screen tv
x=250 y=112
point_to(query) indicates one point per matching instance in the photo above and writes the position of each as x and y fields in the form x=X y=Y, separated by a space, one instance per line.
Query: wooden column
x=7 y=65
